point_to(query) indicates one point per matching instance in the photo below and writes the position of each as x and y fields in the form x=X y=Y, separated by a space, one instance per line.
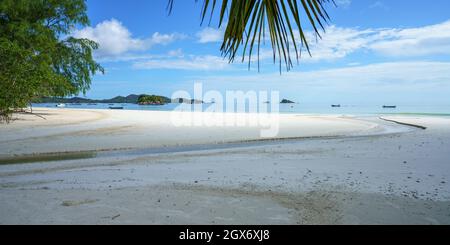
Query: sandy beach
x=65 y=130
x=135 y=167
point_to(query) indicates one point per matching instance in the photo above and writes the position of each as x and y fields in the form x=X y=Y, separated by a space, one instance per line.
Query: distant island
x=152 y=100
x=132 y=98
x=285 y=101
x=142 y=99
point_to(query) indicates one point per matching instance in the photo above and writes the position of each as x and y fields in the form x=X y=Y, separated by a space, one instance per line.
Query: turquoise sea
x=442 y=110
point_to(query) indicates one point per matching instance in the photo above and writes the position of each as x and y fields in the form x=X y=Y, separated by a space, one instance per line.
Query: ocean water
x=441 y=110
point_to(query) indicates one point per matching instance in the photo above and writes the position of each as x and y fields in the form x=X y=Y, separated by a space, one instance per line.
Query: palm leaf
x=246 y=26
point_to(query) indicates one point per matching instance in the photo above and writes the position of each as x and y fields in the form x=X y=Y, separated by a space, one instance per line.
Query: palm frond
x=247 y=21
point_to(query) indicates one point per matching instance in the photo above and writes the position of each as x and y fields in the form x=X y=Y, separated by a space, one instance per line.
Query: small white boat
x=61 y=105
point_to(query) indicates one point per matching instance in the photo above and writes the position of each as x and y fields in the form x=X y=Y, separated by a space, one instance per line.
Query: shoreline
x=337 y=113
x=375 y=172
x=343 y=114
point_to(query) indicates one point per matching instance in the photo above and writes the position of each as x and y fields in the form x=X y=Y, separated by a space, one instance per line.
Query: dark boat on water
x=116 y=107
x=389 y=106
x=336 y=106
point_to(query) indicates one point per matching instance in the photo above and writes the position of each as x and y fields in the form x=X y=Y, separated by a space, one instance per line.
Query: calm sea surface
x=283 y=108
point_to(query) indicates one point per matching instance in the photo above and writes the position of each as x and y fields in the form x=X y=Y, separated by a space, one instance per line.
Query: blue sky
x=373 y=51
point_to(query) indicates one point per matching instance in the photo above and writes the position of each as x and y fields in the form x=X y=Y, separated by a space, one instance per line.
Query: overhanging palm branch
x=247 y=21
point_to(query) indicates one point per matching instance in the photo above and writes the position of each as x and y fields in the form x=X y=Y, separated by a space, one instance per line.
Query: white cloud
x=390 y=73
x=133 y=57
x=338 y=42
x=163 y=39
x=343 y=3
x=176 y=53
x=115 y=39
x=428 y=40
x=206 y=63
x=210 y=35
x=419 y=73
x=118 y=44
x=127 y=57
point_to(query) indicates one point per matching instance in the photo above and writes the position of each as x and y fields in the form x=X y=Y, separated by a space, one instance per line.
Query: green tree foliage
x=38 y=58
x=152 y=100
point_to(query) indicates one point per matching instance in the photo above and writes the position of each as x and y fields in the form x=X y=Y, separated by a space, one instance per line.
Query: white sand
x=83 y=130
x=374 y=172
